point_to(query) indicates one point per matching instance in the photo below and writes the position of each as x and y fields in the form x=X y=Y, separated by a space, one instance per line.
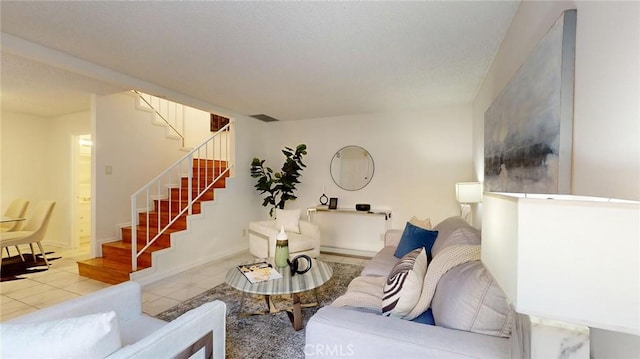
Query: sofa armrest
x=125 y=299
x=182 y=333
x=309 y=229
x=264 y=228
x=365 y=335
x=392 y=237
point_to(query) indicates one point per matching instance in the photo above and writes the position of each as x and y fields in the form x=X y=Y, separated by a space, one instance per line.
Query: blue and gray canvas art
x=523 y=125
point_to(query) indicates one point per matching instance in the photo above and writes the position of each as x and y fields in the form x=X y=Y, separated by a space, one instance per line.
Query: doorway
x=82 y=192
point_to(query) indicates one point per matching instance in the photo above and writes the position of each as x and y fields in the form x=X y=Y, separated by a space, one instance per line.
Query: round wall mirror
x=352 y=168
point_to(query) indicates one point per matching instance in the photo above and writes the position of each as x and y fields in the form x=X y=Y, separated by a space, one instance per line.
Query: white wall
x=136 y=151
x=606 y=139
x=196 y=126
x=37 y=165
x=418 y=156
x=24 y=163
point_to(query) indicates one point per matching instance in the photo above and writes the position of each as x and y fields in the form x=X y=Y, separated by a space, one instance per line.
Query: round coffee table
x=319 y=274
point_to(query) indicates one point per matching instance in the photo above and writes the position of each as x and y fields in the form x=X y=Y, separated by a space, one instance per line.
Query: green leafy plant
x=279 y=187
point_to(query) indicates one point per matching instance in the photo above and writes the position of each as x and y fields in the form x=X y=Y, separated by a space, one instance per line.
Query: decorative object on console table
x=282 y=249
x=555 y=265
x=333 y=203
x=363 y=207
x=466 y=193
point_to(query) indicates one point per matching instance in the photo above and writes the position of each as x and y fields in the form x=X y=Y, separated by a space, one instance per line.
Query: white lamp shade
x=568 y=258
x=469 y=192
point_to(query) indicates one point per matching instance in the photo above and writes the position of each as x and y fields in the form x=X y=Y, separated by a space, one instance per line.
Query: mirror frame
x=337 y=155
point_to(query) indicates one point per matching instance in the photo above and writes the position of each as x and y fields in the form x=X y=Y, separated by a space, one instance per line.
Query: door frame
x=75 y=194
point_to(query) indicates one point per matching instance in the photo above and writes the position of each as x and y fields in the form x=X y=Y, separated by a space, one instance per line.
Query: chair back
x=39 y=218
x=17 y=208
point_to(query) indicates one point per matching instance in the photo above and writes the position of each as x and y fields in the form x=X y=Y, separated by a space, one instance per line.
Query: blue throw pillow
x=425 y=318
x=415 y=237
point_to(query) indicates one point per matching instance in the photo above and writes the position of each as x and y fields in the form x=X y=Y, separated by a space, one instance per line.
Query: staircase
x=115 y=265
x=161 y=207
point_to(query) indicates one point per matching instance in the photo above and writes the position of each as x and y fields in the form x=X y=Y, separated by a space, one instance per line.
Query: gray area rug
x=269 y=335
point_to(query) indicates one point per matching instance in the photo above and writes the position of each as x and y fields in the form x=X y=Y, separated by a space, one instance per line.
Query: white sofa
x=200 y=330
x=472 y=316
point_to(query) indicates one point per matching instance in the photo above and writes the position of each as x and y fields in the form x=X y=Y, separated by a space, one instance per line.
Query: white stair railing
x=199 y=170
x=170 y=114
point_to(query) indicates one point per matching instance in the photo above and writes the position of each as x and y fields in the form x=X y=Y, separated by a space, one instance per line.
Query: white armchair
x=262 y=239
x=200 y=330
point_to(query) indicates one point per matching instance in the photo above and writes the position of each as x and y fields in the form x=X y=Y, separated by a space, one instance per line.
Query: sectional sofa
x=460 y=311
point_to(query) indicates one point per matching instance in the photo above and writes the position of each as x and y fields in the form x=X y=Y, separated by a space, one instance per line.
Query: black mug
x=293 y=264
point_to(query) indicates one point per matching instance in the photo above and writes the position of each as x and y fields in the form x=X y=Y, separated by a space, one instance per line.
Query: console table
x=347 y=231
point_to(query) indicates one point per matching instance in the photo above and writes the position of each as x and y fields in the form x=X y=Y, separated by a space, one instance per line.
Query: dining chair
x=17 y=208
x=32 y=231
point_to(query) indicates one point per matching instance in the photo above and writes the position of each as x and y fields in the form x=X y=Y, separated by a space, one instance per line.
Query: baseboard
x=347 y=252
x=145 y=276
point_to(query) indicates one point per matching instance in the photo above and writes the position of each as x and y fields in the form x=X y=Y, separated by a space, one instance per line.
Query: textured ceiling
x=290 y=60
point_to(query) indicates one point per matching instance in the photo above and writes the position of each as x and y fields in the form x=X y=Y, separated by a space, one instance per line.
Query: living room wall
x=418 y=158
x=606 y=137
x=37 y=165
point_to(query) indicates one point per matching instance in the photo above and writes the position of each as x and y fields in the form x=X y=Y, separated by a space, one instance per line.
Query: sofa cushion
x=288 y=218
x=422 y=223
x=381 y=263
x=414 y=237
x=404 y=284
x=452 y=231
x=468 y=298
x=89 y=336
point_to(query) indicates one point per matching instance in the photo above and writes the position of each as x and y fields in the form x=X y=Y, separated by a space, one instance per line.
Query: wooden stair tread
x=108 y=264
x=127 y=245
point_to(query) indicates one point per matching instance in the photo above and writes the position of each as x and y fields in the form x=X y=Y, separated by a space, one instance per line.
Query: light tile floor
x=62 y=282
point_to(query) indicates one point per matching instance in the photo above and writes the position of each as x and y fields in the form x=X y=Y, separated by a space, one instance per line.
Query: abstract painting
x=528 y=128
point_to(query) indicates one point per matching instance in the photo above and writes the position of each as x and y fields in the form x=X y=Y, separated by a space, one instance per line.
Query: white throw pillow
x=288 y=218
x=404 y=284
x=90 y=336
x=424 y=224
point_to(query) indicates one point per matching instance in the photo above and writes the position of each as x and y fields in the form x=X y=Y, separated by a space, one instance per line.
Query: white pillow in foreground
x=90 y=336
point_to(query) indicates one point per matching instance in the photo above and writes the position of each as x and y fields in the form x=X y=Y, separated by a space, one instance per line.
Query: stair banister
x=166 y=122
x=167 y=177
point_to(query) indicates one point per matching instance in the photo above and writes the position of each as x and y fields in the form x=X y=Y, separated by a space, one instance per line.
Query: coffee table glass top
x=319 y=273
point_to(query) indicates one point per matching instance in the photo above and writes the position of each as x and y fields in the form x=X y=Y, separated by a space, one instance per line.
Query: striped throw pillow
x=404 y=284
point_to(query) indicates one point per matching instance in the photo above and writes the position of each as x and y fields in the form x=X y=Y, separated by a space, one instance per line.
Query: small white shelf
x=375 y=212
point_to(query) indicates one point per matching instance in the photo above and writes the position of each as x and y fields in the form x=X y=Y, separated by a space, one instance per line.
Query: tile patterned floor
x=62 y=282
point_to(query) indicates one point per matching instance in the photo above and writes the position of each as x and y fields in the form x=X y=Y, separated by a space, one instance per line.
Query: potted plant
x=279 y=187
